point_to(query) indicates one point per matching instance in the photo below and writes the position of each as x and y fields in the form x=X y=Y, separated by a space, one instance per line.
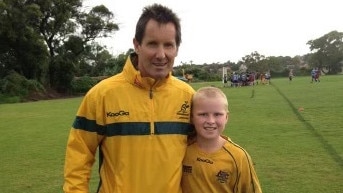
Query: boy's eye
x=218 y=114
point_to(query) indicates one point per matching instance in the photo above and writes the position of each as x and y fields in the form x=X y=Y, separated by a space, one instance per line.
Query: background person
x=313 y=75
x=213 y=163
x=225 y=79
x=267 y=77
x=317 y=76
x=139 y=118
x=235 y=79
x=290 y=75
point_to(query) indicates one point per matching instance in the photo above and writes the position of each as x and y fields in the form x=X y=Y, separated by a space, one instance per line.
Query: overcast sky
x=227 y=30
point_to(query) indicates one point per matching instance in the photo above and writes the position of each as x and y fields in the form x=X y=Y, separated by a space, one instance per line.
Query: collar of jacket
x=134 y=77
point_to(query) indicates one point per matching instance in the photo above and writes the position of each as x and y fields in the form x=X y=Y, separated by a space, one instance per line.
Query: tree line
x=326 y=54
x=45 y=44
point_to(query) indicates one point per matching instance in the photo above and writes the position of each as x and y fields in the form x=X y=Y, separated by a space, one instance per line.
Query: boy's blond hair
x=211 y=92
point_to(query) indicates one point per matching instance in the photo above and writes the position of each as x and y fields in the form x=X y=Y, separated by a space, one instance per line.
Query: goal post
x=224 y=74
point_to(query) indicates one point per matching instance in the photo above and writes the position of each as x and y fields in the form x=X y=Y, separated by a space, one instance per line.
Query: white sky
x=227 y=30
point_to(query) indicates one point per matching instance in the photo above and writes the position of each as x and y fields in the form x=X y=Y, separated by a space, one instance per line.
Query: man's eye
x=152 y=44
x=169 y=46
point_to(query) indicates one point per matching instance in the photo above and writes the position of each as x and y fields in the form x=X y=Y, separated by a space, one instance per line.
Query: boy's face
x=157 y=51
x=209 y=117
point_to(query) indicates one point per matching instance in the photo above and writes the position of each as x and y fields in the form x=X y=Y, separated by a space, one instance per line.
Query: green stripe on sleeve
x=86 y=124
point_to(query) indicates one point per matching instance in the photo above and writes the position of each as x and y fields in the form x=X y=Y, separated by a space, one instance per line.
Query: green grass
x=33 y=138
x=293 y=151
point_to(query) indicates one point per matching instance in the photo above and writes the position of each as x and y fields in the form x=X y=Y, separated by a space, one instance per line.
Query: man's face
x=157 y=51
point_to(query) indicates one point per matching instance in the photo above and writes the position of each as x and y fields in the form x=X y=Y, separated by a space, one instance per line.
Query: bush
x=9 y=99
x=82 y=84
x=15 y=87
x=34 y=85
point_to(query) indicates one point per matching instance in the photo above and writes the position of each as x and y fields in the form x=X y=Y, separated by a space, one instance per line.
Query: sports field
x=292 y=130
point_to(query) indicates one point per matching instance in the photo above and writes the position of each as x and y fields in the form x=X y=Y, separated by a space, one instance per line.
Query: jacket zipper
x=152 y=132
x=151 y=94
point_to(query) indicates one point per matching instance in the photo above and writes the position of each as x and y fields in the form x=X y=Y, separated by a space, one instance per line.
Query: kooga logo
x=120 y=113
x=204 y=160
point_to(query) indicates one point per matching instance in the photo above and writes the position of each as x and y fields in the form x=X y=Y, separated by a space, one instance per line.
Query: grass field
x=293 y=151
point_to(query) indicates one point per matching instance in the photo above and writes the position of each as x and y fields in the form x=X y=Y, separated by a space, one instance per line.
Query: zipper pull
x=151 y=94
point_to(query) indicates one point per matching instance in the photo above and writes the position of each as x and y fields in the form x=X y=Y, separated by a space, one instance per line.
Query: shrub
x=9 y=99
x=13 y=84
x=82 y=84
x=15 y=87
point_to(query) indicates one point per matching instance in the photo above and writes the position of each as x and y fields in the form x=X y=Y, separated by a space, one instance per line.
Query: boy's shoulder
x=234 y=148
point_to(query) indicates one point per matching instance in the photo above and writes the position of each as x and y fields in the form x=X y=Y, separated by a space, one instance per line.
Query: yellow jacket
x=228 y=170
x=140 y=126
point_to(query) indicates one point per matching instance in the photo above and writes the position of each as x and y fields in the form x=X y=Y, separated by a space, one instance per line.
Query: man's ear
x=136 y=45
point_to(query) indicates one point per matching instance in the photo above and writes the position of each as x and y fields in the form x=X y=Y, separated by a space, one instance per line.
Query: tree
x=59 y=23
x=41 y=37
x=22 y=48
x=327 y=52
x=116 y=65
x=255 y=62
x=97 y=23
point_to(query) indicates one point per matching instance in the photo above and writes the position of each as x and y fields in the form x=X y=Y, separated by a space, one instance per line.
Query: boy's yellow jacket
x=228 y=170
x=141 y=129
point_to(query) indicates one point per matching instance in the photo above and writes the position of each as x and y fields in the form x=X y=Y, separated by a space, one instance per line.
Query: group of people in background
x=265 y=78
x=315 y=75
x=246 y=79
x=252 y=78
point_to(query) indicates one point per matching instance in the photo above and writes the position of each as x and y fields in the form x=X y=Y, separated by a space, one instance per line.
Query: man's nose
x=160 y=52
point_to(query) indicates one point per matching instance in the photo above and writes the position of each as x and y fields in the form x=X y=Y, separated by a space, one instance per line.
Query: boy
x=213 y=163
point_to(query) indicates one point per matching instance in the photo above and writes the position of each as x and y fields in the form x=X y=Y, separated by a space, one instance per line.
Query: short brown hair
x=162 y=15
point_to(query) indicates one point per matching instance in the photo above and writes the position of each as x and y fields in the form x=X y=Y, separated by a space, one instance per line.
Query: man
x=139 y=118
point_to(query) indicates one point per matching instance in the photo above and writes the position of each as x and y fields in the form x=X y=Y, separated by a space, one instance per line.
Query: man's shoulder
x=108 y=84
x=181 y=85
